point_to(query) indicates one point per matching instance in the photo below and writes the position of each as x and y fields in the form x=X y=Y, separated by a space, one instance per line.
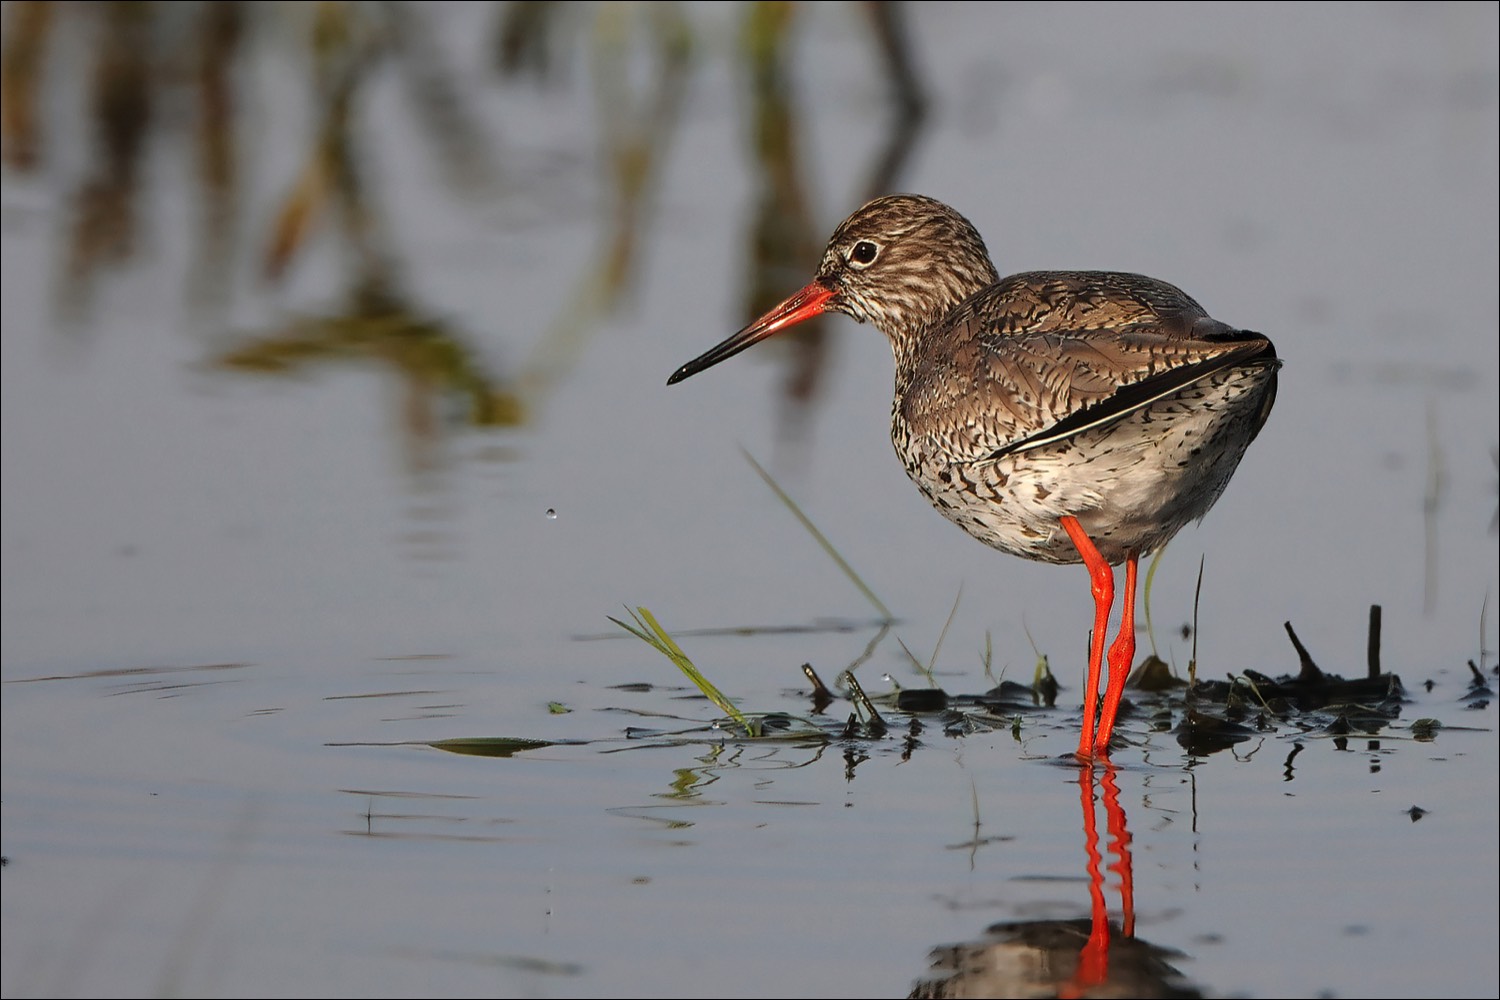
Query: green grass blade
x=820 y=537
x=932 y=663
x=916 y=663
x=649 y=630
x=1150 y=576
x=1193 y=662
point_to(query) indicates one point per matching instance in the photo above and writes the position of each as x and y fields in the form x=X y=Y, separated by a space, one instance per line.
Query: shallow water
x=239 y=605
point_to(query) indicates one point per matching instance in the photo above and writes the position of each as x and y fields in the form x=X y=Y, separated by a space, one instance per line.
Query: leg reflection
x=1093 y=959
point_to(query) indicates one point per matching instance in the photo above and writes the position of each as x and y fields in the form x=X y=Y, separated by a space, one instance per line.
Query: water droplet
x=551 y=514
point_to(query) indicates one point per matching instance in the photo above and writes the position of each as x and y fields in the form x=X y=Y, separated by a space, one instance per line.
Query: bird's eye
x=864 y=253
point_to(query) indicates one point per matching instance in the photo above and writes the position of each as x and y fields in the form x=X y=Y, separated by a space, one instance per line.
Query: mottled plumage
x=1064 y=416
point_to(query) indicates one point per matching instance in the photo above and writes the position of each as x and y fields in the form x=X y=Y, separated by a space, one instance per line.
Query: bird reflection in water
x=1067 y=958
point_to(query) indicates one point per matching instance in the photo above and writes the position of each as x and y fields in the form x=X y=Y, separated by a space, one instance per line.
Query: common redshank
x=1063 y=416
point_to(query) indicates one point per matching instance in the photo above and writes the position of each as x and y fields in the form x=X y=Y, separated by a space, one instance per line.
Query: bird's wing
x=1072 y=301
x=1042 y=356
x=1061 y=386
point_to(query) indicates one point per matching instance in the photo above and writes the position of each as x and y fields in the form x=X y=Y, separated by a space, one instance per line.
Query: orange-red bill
x=805 y=304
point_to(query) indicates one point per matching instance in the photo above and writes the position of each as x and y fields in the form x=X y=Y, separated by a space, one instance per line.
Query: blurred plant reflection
x=524 y=37
x=27 y=27
x=784 y=236
x=220 y=32
x=438 y=374
x=104 y=222
x=434 y=364
x=348 y=44
x=636 y=128
x=150 y=65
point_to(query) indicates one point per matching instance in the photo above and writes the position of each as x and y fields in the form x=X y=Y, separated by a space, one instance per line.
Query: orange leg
x=1102 y=580
x=1121 y=659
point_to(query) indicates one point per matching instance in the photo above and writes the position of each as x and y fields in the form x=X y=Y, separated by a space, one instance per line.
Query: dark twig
x=1309 y=668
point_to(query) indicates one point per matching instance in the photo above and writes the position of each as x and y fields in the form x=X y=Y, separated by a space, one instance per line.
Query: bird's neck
x=904 y=350
x=930 y=312
x=916 y=352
